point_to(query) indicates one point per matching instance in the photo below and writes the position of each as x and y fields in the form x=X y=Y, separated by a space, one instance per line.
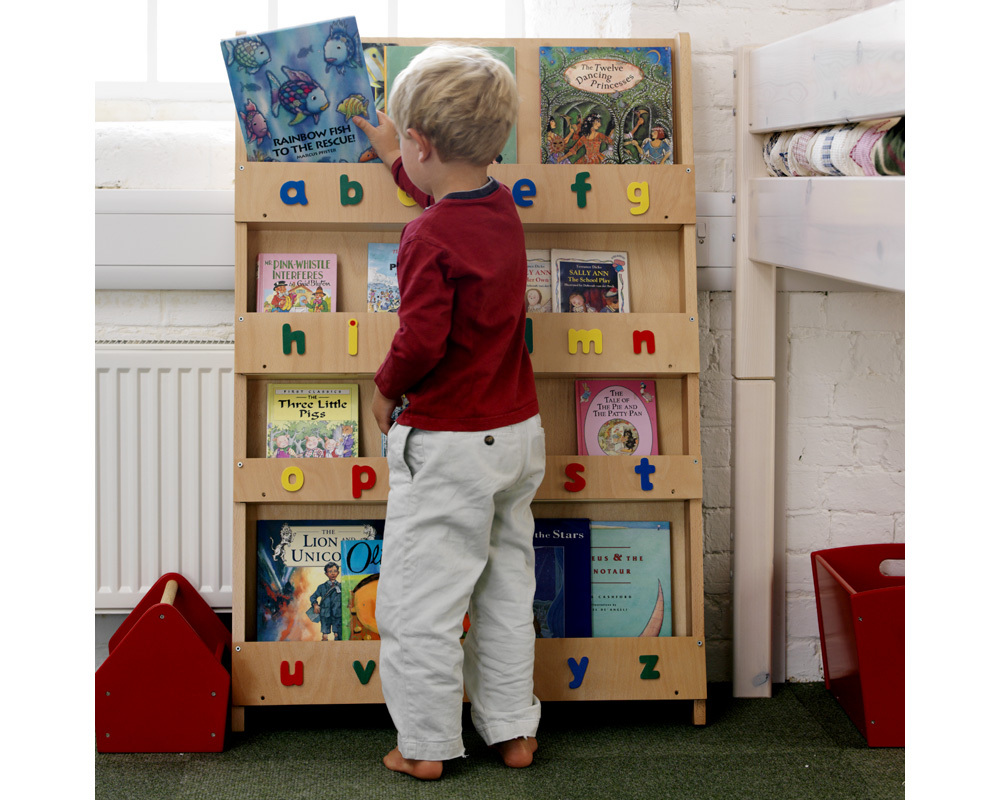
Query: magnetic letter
x=364 y=673
x=578 y=670
x=299 y=188
x=648 y=673
x=352 y=337
x=288 y=336
x=522 y=190
x=577 y=338
x=574 y=473
x=362 y=478
x=286 y=479
x=528 y=337
x=404 y=198
x=638 y=193
x=289 y=678
x=638 y=337
x=581 y=187
x=644 y=469
x=351 y=192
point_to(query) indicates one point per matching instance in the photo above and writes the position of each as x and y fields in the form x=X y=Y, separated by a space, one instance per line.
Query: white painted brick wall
x=845 y=371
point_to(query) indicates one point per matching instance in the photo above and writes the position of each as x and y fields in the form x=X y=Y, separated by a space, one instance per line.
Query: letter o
x=286 y=479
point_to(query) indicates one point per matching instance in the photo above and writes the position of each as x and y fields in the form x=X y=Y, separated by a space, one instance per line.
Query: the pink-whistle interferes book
x=616 y=417
x=296 y=282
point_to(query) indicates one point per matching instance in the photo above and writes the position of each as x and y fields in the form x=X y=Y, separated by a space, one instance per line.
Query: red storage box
x=861 y=614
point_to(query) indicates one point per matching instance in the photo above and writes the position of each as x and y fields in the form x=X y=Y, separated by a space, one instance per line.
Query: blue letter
x=522 y=190
x=289 y=199
x=645 y=469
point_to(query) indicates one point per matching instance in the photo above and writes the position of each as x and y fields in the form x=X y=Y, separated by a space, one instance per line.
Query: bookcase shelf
x=351 y=205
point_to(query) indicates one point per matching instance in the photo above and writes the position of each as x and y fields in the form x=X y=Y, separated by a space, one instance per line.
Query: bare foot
x=517 y=753
x=424 y=770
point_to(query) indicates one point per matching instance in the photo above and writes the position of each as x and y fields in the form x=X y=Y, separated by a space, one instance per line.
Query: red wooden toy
x=862 y=632
x=164 y=687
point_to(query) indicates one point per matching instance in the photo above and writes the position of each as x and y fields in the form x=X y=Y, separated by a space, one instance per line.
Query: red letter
x=288 y=678
x=362 y=477
x=638 y=337
x=576 y=482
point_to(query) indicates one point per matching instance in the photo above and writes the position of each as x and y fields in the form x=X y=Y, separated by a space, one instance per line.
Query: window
x=168 y=50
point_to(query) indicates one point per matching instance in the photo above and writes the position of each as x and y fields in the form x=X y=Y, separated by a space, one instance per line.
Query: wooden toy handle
x=169 y=592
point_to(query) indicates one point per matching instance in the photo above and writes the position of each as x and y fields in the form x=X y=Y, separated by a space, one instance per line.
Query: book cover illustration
x=398 y=57
x=538 y=294
x=316 y=420
x=383 y=288
x=299 y=582
x=590 y=281
x=549 y=605
x=572 y=536
x=616 y=417
x=375 y=64
x=606 y=105
x=296 y=282
x=361 y=564
x=631 y=578
x=296 y=89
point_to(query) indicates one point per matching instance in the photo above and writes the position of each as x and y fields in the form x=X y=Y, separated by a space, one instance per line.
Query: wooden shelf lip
x=613 y=670
x=260 y=344
x=335 y=202
x=334 y=480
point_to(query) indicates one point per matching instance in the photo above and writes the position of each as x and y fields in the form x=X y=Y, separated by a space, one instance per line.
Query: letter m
x=585 y=338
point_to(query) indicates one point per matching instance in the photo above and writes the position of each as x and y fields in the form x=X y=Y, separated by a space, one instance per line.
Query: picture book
x=549 y=605
x=383 y=288
x=616 y=417
x=588 y=281
x=385 y=439
x=630 y=578
x=313 y=420
x=296 y=90
x=606 y=105
x=360 y=564
x=299 y=580
x=538 y=293
x=375 y=64
x=295 y=282
x=572 y=536
x=398 y=57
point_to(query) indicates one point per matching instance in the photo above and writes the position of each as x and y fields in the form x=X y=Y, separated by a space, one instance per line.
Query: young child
x=468 y=451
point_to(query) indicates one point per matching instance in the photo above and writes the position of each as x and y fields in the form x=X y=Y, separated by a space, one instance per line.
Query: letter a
x=299 y=196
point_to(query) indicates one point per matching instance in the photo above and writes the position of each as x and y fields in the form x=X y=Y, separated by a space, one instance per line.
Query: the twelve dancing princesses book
x=616 y=417
x=296 y=89
x=606 y=105
x=299 y=576
x=316 y=420
x=296 y=282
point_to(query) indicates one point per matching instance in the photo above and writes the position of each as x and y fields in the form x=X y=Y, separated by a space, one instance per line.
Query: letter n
x=638 y=337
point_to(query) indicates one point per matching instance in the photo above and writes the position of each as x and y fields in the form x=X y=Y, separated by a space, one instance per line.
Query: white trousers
x=458 y=537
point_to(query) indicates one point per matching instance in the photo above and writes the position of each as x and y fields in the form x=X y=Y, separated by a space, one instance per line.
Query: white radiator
x=164 y=470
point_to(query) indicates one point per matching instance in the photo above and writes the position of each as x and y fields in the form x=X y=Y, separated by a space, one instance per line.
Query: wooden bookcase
x=661 y=250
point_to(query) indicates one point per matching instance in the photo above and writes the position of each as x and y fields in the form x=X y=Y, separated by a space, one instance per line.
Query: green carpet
x=797 y=744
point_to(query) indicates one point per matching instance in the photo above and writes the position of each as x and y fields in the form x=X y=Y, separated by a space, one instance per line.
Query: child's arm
x=384 y=138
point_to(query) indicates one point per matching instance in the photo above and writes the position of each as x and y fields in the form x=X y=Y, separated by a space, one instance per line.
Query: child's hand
x=384 y=137
x=382 y=408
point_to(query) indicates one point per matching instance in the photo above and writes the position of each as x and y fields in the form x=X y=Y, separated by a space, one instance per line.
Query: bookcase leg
x=699 y=712
x=237 y=720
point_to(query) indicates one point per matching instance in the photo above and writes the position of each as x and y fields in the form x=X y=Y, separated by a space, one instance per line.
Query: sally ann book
x=300 y=576
x=312 y=420
x=616 y=417
x=590 y=281
x=296 y=90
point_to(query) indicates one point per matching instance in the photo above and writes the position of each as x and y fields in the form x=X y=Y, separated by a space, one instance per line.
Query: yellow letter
x=404 y=198
x=638 y=193
x=286 y=479
x=586 y=337
x=352 y=337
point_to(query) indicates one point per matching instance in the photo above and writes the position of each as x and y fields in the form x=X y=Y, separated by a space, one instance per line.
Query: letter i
x=352 y=337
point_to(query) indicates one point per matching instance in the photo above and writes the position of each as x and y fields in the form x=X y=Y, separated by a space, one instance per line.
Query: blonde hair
x=463 y=98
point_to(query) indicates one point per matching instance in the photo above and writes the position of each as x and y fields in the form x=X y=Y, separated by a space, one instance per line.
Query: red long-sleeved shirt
x=459 y=355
